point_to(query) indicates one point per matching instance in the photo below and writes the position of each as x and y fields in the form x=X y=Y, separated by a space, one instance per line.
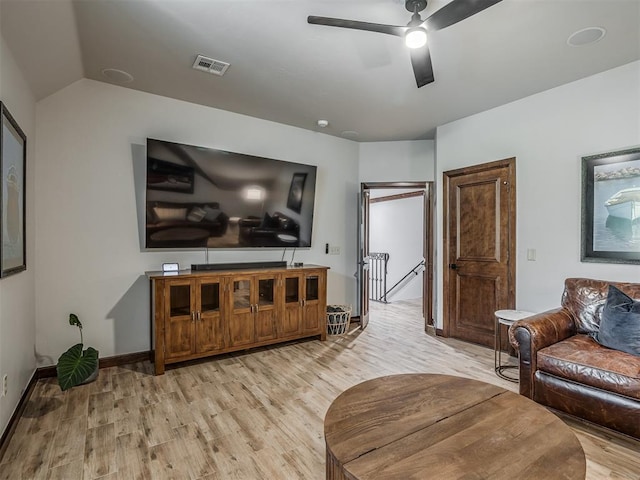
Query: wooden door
x=265 y=306
x=289 y=323
x=179 y=318
x=313 y=309
x=210 y=332
x=241 y=321
x=364 y=257
x=479 y=242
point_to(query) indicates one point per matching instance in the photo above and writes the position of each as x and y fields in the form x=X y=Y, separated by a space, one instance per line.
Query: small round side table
x=505 y=317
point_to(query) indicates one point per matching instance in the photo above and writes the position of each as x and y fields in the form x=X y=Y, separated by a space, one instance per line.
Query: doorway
x=479 y=248
x=424 y=265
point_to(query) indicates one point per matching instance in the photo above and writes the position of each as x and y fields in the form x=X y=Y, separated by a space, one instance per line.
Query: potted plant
x=77 y=366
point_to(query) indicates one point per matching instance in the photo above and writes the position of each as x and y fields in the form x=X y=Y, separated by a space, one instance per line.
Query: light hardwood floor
x=257 y=415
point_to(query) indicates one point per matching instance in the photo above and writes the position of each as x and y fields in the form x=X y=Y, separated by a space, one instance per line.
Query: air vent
x=210 y=65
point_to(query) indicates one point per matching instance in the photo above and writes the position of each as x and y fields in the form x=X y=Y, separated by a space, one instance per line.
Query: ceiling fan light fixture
x=415 y=32
x=416 y=37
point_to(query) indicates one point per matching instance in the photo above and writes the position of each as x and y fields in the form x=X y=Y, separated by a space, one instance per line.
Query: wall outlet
x=531 y=254
x=5 y=385
x=334 y=250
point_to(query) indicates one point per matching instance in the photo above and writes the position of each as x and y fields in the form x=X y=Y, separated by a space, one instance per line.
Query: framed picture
x=162 y=175
x=294 y=201
x=13 y=162
x=611 y=207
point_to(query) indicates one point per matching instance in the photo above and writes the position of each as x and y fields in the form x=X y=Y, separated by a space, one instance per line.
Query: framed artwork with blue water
x=13 y=164
x=611 y=207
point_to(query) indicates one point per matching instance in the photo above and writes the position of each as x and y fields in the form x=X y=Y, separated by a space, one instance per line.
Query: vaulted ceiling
x=288 y=71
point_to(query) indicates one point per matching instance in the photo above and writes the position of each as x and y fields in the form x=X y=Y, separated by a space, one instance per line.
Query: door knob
x=453 y=266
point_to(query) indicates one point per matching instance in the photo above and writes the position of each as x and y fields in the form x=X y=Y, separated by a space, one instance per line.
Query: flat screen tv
x=199 y=197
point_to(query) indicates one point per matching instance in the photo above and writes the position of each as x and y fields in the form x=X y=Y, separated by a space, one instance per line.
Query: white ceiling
x=285 y=70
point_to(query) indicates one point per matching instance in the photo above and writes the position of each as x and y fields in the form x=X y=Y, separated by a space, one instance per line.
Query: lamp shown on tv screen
x=200 y=197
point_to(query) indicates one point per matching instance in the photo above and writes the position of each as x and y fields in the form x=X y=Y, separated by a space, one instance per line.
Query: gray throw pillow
x=211 y=214
x=620 y=323
x=196 y=214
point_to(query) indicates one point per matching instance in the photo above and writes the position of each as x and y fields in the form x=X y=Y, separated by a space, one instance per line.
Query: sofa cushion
x=620 y=323
x=166 y=214
x=585 y=298
x=196 y=214
x=582 y=360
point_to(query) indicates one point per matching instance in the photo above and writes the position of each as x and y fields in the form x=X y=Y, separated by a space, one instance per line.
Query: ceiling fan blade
x=398 y=31
x=422 y=68
x=455 y=11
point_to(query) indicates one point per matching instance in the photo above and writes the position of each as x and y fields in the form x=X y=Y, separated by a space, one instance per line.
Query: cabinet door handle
x=199 y=316
x=257 y=308
x=193 y=316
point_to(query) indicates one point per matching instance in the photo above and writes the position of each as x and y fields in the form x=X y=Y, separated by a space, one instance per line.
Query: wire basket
x=338 y=317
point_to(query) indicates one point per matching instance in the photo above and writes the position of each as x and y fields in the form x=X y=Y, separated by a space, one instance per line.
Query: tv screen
x=199 y=197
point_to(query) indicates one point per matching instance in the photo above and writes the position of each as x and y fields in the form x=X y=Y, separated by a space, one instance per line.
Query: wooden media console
x=205 y=313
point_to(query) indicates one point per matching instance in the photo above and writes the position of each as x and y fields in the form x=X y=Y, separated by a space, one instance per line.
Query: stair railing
x=378 y=263
x=415 y=270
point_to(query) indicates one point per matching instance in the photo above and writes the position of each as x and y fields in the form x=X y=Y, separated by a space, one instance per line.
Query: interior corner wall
x=402 y=161
x=90 y=206
x=17 y=292
x=547 y=133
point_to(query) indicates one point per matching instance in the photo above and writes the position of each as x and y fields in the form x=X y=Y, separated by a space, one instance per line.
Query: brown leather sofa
x=562 y=367
x=180 y=218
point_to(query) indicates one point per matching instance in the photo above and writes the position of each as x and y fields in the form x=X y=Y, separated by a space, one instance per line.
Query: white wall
x=548 y=133
x=397 y=161
x=90 y=189
x=396 y=227
x=17 y=292
x=403 y=161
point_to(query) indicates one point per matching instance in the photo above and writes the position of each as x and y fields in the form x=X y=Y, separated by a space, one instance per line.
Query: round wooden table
x=443 y=427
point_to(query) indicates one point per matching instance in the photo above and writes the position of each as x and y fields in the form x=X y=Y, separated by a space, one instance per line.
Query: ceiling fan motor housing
x=415 y=5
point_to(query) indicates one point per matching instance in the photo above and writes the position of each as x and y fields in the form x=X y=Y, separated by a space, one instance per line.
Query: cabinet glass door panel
x=292 y=290
x=313 y=310
x=179 y=300
x=209 y=325
x=312 y=288
x=266 y=287
x=265 y=313
x=241 y=294
x=242 y=314
x=289 y=323
x=210 y=297
x=179 y=316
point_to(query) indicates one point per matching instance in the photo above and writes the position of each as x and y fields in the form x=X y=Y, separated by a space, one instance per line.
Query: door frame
x=427 y=240
x=510 y=164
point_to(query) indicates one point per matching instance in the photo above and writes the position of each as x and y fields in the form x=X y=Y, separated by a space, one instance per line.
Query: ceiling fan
x=415 y=33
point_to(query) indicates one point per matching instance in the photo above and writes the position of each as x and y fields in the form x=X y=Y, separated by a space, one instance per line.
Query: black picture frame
x=294 y=200
x=611 y=207
x=168 y=176
x=13 y=165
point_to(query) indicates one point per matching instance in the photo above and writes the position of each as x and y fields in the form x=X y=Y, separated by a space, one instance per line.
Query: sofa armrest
x=535 y=333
